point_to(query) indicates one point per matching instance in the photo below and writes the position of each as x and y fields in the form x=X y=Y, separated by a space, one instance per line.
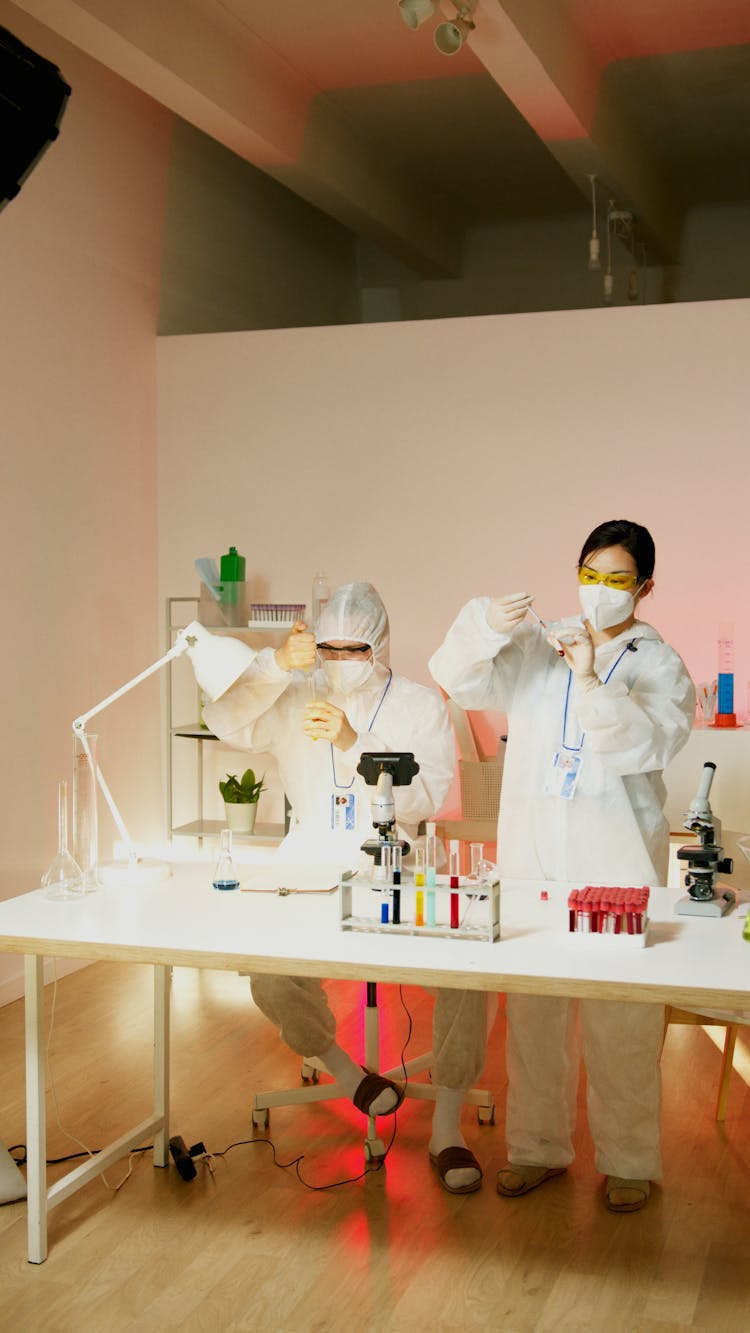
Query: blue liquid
x=725 y=702
x=225 y=884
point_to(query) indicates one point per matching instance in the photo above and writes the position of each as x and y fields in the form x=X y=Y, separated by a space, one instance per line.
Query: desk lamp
x=219 y=662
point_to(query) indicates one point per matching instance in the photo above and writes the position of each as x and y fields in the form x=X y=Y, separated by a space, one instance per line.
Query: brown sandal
x=529 y=1177
x=456 y=1159
x=640 y=1188
x=370 y=1089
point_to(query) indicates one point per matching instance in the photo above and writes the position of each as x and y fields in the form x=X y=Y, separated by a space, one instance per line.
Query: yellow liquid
x=419 y=914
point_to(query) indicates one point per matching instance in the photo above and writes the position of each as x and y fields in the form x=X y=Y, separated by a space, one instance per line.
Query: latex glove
x=505 y=613
x=324 y=721
x=300 y=652
x=578 y=650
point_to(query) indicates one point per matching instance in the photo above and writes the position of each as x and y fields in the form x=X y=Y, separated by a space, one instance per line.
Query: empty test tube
x=431 y=872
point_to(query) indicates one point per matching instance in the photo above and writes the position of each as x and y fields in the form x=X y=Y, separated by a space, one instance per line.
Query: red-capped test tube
x=454 y=870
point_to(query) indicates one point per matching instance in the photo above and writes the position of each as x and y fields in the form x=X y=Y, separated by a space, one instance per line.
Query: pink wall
x=79 y=270
x=449 y=458
x=454 y=457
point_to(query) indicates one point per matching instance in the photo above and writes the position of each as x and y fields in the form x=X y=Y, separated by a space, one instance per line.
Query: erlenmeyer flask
x=64 y=878
x=225 y=875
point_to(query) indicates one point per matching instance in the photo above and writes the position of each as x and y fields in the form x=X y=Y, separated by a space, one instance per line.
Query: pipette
x=543 y=623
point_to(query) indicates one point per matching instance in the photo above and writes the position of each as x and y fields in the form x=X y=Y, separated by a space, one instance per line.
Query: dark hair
x=621 y=532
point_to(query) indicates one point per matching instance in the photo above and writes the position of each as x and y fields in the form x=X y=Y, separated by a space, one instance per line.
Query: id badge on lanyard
x=564 y=769
x=343 y=811
x=562 y=775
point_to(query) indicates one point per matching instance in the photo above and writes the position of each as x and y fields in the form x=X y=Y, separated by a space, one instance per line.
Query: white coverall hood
x=356 y=612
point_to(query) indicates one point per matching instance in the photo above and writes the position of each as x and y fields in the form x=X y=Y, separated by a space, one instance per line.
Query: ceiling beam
x=215 y=73
x=543 y=66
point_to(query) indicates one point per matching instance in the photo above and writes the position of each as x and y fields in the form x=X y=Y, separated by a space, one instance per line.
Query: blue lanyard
x=346 y=786
x=576 y=749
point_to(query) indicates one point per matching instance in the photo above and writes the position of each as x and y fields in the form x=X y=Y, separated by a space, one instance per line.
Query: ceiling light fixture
x=416 y=12
x=620 y=224
x=449 y=36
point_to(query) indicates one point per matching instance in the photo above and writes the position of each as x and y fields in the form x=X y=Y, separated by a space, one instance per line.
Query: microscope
x=705 y=862
x=384 y=772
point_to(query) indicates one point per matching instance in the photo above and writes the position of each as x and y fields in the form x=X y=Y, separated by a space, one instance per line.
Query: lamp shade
x=218 y=660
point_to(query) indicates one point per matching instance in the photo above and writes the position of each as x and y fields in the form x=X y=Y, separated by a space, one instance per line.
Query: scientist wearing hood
x=597 y=706
x=317 y=721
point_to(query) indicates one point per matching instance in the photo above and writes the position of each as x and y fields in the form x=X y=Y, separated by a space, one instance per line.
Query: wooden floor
x=251 y=1248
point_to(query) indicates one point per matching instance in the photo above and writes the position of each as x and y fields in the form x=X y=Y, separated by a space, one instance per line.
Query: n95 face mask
x=604 y=607
x=346 y=677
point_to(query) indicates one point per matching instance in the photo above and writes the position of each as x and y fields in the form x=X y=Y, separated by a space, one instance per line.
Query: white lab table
x=688 y=961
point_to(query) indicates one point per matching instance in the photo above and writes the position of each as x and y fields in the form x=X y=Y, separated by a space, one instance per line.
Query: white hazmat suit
x=612 y=831
x=263 y=711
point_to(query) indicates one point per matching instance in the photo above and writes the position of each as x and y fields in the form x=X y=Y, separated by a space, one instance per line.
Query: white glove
x=505 y=613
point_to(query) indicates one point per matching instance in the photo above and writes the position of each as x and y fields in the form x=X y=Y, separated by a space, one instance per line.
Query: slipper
x=528 y=1177
x=640 y=1188
x=370 y=1089
x=456 y=1159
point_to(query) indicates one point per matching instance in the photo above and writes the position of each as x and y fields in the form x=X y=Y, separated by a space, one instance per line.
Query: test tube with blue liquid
x=430 y=849
x=386 y=873
x=225 y=875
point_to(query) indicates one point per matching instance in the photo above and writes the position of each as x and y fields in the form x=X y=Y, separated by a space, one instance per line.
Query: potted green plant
x=240 y=797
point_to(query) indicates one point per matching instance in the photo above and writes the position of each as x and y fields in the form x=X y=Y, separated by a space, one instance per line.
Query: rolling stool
x=313 y=1091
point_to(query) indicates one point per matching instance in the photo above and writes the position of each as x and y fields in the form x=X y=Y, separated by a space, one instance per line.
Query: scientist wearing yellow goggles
x=590 y=729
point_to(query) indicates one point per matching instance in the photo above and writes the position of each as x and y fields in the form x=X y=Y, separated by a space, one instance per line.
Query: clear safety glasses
x=620 y=580
x=352 y=652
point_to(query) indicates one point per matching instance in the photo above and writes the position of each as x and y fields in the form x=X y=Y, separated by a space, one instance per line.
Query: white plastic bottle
x=320 y=595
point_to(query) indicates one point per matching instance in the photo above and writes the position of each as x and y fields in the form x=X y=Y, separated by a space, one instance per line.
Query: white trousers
x=621 y=1050
x=298 y=1006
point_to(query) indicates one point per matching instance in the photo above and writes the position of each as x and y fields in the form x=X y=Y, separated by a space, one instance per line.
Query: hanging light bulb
x=609 y=282
x=594 y=260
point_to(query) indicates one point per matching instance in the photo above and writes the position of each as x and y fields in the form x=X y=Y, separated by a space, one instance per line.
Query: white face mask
x=346 y=677
x=604 y=607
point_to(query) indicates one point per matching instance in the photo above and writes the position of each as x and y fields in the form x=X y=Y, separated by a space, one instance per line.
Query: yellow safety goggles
x=587 y=575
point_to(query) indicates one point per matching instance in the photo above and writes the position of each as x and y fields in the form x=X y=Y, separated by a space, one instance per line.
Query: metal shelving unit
x=201 y=827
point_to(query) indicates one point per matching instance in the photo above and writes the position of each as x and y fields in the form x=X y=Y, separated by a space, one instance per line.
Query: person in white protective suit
x=604 y=698
x=359 y=705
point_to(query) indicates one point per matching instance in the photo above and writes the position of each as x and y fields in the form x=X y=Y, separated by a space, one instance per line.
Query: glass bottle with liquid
x=320 y=595
x=225 y=875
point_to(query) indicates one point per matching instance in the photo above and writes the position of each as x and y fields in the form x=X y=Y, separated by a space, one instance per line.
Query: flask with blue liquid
x=225 y=875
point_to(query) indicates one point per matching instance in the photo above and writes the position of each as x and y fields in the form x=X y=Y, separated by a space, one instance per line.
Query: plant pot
x=241 y=816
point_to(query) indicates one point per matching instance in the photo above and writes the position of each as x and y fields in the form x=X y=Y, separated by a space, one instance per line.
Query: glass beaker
x=63 y=879
x=85 y=821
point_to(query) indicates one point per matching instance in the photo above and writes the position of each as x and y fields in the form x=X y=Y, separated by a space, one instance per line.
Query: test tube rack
x=609 y=917
x=367 y=894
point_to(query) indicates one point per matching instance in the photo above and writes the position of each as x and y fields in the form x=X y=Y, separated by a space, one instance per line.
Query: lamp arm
x=79 y=723
x=180 y=646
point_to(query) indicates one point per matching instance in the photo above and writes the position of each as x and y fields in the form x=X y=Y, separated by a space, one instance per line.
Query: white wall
x=448 y=458
x=80 y=255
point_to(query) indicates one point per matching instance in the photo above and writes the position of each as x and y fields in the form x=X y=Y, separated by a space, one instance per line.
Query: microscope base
x=688 y=906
